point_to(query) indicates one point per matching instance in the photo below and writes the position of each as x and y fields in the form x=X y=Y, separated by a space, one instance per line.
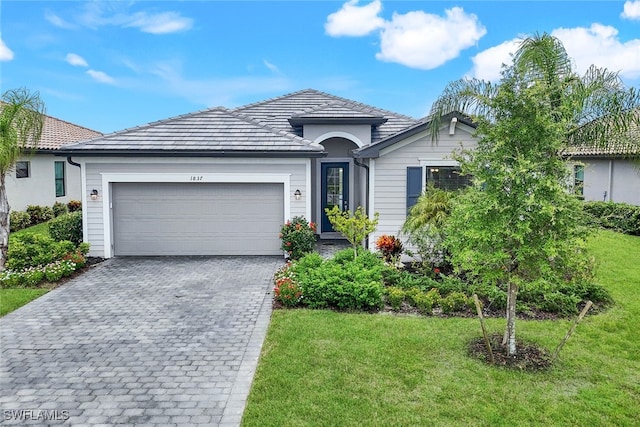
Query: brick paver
x=139 y=341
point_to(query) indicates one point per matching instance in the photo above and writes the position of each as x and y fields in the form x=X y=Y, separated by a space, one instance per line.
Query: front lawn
x=329 y=368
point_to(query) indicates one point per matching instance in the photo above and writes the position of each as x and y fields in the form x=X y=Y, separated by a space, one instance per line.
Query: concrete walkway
x=139 y=341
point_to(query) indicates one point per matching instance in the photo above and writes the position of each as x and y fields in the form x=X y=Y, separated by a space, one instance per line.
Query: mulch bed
x=529 y=357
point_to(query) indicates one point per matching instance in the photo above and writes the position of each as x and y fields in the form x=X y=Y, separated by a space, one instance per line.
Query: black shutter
x=414 y=185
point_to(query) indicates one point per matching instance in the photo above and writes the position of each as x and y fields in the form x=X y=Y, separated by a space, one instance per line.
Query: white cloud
x=161 y=23
x=425 y=41
x=272 y=67
x=101 y=77
x=631 y=10
x=599 y=45
x=354 y=20
x=99 y=14
x=6 y=54
x=76 y=60
x=55 y=20
x=488 y=63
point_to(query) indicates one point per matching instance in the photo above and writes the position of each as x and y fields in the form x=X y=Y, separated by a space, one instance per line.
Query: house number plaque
x=196 y=178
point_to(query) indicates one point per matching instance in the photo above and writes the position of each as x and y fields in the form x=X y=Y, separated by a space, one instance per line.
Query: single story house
x=223 y=181
x=608 y=174
x=41 y=178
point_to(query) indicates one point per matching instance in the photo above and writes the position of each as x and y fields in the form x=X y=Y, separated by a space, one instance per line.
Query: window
x=446 y=177
x=59 y=171
x=444 y=174
x=22 y=169
x=578 y=180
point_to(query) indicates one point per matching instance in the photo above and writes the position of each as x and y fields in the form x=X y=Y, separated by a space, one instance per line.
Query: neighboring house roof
x=213 y=132
x=57 y=133
x=373 y=150
x=624 y=146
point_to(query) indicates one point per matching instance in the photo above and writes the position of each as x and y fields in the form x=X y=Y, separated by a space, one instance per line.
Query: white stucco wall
x=97 y=171
x=616 y=180
x=388 y=192
x=40 y=188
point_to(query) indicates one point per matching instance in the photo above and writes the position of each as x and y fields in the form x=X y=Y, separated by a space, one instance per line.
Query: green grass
x=42 y=228
x=322 y=368
x=12 y=299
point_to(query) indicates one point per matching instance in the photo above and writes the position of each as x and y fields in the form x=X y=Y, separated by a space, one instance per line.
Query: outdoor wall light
x=298 y=194
x=94 y=194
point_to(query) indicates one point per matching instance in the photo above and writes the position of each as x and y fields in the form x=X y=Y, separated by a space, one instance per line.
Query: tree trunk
x=510 y=333
x=4 y=224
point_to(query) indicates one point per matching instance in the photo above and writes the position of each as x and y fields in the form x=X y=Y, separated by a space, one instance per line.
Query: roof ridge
x=275 y=98
x=249 y=119
x=168 y=119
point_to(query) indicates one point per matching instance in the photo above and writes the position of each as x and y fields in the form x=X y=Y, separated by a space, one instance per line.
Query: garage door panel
x=197 y=219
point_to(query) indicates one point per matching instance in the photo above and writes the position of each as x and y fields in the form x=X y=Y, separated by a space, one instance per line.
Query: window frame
x=578 y=184
x=60 y=179
x=27 y=168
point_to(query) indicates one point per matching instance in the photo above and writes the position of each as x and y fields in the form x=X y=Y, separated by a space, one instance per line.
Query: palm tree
x=21 y=121
x=594 y=109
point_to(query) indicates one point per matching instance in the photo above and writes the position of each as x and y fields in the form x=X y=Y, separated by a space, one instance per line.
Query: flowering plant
x=298 y=237
x=390 y=247
x=286 y=289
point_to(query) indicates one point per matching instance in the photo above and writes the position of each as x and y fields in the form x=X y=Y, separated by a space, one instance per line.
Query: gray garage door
x=197 y=219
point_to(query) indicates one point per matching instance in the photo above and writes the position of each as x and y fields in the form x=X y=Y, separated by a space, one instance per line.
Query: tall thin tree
x=525 y=226
x=22 y=115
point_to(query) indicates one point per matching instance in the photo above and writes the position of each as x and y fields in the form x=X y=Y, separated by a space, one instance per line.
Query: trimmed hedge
x=39 y=214
x=67 y=227
x=621 y=217
x=19 y=220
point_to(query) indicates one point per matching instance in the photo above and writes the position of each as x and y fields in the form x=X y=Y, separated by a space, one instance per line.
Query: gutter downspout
x=71 y=162
x=366 y=195
x=610 y=177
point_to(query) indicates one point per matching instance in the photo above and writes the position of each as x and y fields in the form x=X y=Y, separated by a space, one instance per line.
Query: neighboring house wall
x=297 y=172
x=616 y=180
x=40 y=187
x=389 y=173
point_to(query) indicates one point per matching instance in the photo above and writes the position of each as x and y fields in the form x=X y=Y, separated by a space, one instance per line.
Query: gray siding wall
x=390 y=173
x=95 y=167
x=618 y=177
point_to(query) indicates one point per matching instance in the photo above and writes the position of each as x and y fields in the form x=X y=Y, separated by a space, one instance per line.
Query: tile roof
x=213 y=130
x=276 y=112
x=626 y=145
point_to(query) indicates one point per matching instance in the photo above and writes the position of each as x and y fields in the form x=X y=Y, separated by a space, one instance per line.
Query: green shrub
x=60 y=208
x=340 y=283
x=425 y=301
x=74 y=205
x=67 y=227
x=617 y=216
x=557 y=302
x=395 y=297
x=36 y=250
x=39 y=214
x=298 y=237
x=455 y=301
x=19 y=220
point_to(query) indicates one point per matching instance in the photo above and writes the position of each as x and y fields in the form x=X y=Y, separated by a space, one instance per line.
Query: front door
x=335 y=190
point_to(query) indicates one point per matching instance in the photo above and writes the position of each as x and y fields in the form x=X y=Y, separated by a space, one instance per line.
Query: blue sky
x=111 y=65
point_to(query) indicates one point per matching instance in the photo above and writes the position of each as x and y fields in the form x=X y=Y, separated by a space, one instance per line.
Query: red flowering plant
x=390 y=247
x=298 y=237
x=286 y=289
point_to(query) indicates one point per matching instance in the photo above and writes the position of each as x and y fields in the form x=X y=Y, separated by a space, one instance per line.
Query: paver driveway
x=139 y=341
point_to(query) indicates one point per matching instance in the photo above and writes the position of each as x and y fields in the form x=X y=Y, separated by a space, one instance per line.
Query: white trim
x=83 y=200
x=339 y=134
x=372 y=197
x=308 y=190
x=438 y=162
x=109 y=178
